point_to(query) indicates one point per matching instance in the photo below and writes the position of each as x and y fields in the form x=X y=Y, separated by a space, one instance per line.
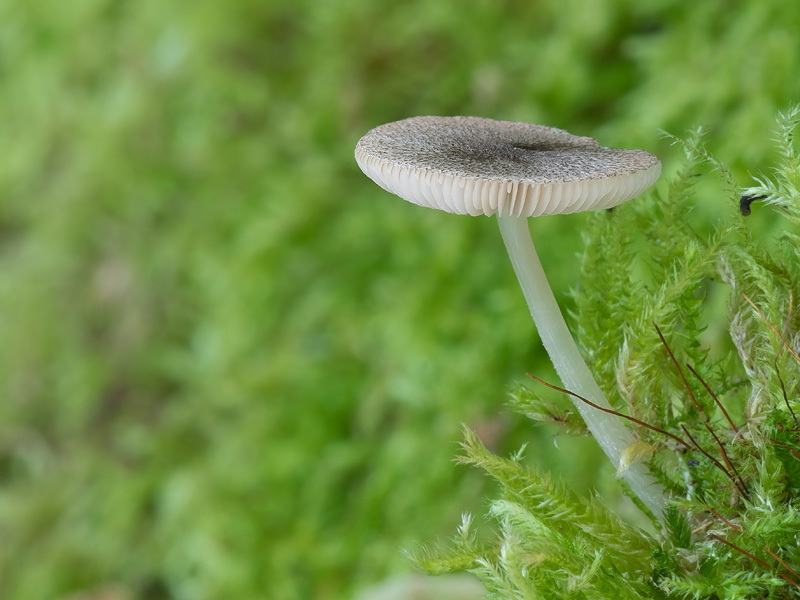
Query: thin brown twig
x=792 y=451
x=751 y=557
x=783 y=389
x=611 y=411
x=745 y=552
x=758 y=560
x=778 y=353
x=739 y=485
x=767 y=550
x=702 y=414
x=718 y=464
x=742 y=487
x=783 y=564
x=771 y=326
x=724 y=520
x=786 y=324
x=713 y=395
x=680 y=372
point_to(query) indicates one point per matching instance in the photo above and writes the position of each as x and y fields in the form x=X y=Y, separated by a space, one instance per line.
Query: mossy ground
x=233 y=367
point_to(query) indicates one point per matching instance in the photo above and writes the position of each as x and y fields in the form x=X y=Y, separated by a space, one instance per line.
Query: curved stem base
x=609 y=431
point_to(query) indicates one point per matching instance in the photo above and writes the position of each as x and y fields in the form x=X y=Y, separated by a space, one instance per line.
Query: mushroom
x=476 y=166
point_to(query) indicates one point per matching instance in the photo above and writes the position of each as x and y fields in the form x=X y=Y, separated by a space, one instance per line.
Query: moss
x=731 y=463
x=229 y=368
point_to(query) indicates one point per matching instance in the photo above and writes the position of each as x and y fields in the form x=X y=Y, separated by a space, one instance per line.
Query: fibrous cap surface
x=476 y=166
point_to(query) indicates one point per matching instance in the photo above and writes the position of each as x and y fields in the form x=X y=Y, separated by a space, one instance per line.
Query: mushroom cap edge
x=476 y=166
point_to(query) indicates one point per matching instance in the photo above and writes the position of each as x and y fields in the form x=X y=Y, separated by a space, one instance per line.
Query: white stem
x=609 y=431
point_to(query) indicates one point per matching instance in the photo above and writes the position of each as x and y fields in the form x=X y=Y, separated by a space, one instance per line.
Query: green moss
x=730 y=528
x=232 y=367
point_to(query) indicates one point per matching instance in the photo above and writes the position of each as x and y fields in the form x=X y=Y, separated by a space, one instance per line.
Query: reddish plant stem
x=783 y=564
x=783 y=389
x=792 y=451
x=612 y=412
x=753 y=558
x=771 y=326
x=784 y=344
x=724 y=520
x=718 y=464
x=702 y=414
x=713 y=395
x=738 y=484
x=745 y=552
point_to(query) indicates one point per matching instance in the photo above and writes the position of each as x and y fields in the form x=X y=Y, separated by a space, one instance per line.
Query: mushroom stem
x=608 y=430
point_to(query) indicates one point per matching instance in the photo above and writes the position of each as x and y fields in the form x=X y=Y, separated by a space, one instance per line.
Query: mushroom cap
x=476 y=166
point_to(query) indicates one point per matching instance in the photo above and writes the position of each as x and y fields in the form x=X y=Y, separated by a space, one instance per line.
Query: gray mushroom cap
x=476 y=166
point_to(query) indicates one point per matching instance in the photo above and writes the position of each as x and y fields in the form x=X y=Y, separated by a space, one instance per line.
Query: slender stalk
x=609 y=431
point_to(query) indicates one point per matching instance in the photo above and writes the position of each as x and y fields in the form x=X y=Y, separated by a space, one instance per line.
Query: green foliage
x=731 y=526
x=527 y=402
x=462 y=554
x=677 y=529
x=552 y=538
x=231 y=367
x=782 y=433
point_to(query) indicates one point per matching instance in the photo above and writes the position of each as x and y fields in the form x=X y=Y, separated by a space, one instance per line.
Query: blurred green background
x=231 y=365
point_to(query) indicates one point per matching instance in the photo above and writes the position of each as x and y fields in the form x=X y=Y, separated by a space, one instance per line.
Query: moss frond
x=560 y=510
x=526 y=402
x=731 y=529
x=782 y=187
x=462 y=553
